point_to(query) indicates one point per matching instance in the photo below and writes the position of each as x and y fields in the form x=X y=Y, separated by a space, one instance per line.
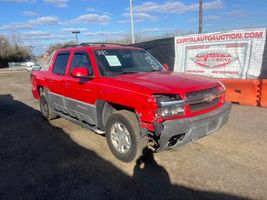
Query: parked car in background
x=34 y=67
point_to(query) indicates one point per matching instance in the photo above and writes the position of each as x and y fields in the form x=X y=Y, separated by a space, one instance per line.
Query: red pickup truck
x=126 y=94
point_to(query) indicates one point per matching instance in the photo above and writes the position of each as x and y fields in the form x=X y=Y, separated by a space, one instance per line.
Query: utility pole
x=76 y=35
x=200 y=16
x=132 y=22
x=32 y=52
x=102 y=33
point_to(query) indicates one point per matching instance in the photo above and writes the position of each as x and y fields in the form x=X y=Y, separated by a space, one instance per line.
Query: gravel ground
x=61 y=160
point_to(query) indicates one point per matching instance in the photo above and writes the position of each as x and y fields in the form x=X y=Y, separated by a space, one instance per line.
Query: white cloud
x=176 y=7
x=153 y=30
x=57 y=3
x=44 y=35
x=18 y=1
x=217 y=4
x=30 y=13
x=15 y=26
x=45 y=20
x=99 y=33
x=209 y=25
x=141 y=12
x=140 y=17
x=54 y=20
x=123 y=21
x=69 y=30
x=206 y=18
x=35 y=33
x=107 y=13
x=91 y=18
x=91 y=9
x=211 y=17
x=236 y=13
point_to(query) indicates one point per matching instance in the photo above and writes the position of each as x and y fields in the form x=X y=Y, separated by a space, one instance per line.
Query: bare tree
x=12 y=50
x=56 y=46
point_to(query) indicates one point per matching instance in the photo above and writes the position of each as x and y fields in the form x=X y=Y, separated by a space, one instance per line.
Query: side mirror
x=81 y=72
x=166 y=66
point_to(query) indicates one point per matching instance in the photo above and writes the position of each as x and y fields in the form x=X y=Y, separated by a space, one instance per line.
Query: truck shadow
x=40 y=161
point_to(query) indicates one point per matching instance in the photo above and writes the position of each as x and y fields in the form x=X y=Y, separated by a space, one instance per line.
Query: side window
x=48 y=62
x=61 y=63
x=81 y=60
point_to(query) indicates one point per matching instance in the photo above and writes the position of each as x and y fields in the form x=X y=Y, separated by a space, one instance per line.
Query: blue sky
x=42 y=22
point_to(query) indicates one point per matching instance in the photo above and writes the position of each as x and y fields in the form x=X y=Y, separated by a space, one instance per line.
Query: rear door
x=56 y=81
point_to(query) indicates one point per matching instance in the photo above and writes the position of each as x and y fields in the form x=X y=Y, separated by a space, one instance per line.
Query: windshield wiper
x=133 y=72
x=155 y=70
x=129 y=72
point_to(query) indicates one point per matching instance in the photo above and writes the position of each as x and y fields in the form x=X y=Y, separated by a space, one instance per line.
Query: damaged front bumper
x=175 y=133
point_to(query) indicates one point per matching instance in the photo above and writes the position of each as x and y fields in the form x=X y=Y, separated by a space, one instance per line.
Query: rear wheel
x=45 y=108
x=123 y=136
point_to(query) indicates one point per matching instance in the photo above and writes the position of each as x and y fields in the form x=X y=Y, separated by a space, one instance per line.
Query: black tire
x=45 y=108
x=137 y=143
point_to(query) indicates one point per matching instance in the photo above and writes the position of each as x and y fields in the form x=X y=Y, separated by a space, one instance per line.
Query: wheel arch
x=105 y=109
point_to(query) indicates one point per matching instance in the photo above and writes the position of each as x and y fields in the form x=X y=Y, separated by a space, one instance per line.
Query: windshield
x=113 y=62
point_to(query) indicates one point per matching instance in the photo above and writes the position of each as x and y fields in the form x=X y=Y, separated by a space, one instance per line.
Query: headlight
x=170 y=105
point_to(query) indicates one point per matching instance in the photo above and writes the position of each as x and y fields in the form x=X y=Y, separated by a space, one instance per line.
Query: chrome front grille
x=203 y=99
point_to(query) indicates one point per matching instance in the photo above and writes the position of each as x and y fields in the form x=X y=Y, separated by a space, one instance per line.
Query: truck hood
x=162 y=82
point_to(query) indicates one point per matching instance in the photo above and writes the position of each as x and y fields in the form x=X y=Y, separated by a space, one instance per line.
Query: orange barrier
x=263 y=101
x=244 y=92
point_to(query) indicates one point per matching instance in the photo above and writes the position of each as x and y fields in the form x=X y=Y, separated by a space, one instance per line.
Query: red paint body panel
x=132 y=90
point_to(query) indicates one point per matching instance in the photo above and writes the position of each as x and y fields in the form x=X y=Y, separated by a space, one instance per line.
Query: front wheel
x=123 y=136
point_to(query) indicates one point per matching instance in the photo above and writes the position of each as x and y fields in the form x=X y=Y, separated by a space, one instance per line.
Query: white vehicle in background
x=31 y=66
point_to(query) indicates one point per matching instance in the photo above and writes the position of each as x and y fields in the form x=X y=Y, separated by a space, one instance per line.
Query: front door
x=81 y=92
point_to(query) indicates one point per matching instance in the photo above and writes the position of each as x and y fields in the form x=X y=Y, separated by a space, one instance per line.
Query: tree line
x=12 y=50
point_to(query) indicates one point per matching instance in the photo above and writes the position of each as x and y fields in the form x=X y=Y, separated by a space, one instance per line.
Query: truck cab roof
x=96 y=46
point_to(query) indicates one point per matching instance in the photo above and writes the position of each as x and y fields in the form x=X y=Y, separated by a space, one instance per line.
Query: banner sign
x=235 y=54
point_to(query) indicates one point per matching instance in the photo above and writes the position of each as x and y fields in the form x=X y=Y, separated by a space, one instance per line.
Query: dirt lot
x=61 y=160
